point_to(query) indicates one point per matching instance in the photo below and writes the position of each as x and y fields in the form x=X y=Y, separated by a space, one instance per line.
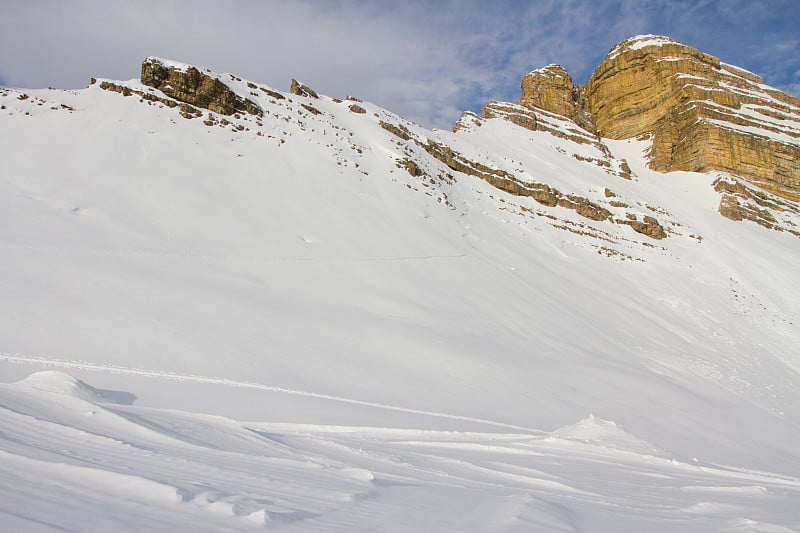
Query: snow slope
x=79 y=462
x=280 y=326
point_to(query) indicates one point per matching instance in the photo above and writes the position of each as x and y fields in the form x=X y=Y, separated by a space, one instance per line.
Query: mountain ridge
x=387 y=302
x=756 y=156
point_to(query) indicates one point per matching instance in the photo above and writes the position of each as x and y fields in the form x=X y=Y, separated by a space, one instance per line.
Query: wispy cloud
x=426 y=60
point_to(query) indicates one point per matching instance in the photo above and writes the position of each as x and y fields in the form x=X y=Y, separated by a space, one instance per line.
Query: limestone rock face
x=701 y=113
x=194 y=87
x=551 y=88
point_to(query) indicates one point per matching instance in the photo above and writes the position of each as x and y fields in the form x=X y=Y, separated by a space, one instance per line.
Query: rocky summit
x=700 y=113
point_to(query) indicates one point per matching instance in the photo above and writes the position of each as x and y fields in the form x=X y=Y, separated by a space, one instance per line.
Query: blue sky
x=425 y=60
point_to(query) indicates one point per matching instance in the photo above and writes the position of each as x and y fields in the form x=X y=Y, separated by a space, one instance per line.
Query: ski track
x=173 y=376
x=230 y=257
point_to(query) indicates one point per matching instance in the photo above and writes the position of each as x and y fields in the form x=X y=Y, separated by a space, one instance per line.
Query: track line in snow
x=193 y=378
x=198 y=255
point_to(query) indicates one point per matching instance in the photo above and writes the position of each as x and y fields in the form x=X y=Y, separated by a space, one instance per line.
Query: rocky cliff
x=701 y=114
x=187 y=84
x=551 y=88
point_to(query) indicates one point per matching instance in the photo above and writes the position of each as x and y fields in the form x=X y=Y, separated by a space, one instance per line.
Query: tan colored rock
x=301 y=89
x=520 y=115
x=274 y=94
x=740 y=201
x=541 y=192
x=186 y=110
x=538 y=119
x=467 y=119
x=649 y=226
x=702 y=114
x=191 y=86
x=411 y=166
x=311 y=109
x=503 y=180
x=551 y=88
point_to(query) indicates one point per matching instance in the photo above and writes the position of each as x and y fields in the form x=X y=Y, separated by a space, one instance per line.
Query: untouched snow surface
x=223 y=329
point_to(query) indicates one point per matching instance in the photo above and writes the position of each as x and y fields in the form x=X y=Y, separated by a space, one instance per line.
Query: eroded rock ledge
x=505 y=181
x=193 y=87
x=739 y=201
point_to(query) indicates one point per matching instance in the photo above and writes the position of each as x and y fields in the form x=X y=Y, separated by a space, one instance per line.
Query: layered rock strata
x=542 y=193
x=537 y=119
x=188 y=84
x=701 y=113
x=740 y=201
x=551 y=88
x=186 y=110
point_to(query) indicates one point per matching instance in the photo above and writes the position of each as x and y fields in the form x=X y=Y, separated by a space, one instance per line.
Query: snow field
x=213 y=473
x=275 y=337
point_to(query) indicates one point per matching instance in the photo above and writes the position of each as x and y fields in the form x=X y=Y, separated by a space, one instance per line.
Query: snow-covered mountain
x=228 y=307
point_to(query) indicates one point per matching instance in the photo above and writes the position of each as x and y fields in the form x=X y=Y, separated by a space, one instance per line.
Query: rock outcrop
x=187 y=84
x=537 y=119
x=740 y=201
x=520 y=115
x=301 y=89
x=186 y=110
x=551 y=88
x=503 y=180
x=701 y=113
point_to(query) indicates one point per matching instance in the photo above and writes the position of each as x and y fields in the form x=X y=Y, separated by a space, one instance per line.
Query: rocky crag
x=189 y=85
x=701 y=115
x=551 y=88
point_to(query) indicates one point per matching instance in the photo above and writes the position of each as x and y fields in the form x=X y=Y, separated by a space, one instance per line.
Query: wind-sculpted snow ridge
x=67 y=465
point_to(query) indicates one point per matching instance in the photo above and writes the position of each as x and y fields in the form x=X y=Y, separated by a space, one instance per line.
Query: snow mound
x=605 y=433
x=61 y=383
